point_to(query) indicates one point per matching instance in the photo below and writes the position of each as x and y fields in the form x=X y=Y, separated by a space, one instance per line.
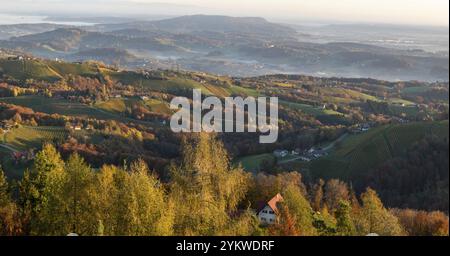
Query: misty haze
x=233 y=118
x=228 y=45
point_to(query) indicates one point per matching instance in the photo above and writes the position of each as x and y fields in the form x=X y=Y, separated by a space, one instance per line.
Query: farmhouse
x=315 y=153
x=269 y=212
x=280 y=153
x=76 y=127
x=319 y=153
x=365 y=127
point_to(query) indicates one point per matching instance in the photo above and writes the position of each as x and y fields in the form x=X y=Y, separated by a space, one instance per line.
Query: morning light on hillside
x=201 y=120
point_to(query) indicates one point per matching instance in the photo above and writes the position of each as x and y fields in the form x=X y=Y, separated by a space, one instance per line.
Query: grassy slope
x=113 y=105
x=253 y=163
x=28 y=137
x=56 y=106
x=308 y=109
x=119 y=106
x=26 y=69
x=63 y=68
x=45 y=70
x=173 y=84
x=346 y=95
x=158 y=106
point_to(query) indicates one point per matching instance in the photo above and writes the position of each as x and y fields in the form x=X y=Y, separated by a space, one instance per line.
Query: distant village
x=306 y=156
x=315 y=153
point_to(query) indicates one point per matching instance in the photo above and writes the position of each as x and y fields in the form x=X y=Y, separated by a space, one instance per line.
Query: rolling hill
x=229 y=46
x=207 y=23
x=28 y=69
x=362 y=153
x=224 y=24
x=106 y=55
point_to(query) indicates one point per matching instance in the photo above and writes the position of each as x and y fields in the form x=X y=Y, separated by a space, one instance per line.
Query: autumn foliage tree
x=10 y=223
x=373 y=217
x=205 y=187
x=206 y=195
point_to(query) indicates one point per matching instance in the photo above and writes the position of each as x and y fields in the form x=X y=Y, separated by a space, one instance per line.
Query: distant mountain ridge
x=210 y=23
x=230 y=46
x=252 y=25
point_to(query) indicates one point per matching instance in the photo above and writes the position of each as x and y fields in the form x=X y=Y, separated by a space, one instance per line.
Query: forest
x=86 y=148
x=205 y=195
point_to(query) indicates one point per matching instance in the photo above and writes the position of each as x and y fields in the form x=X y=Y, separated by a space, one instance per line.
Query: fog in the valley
x=393 y=40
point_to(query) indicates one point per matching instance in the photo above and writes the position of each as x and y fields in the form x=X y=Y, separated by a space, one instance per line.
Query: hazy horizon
x=401 y=12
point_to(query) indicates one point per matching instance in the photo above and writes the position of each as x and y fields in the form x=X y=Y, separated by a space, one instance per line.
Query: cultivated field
x=363 y=152
x=33 y=137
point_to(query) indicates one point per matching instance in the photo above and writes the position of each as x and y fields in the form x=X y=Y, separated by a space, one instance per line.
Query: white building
x=281 y=153
x=269 y=213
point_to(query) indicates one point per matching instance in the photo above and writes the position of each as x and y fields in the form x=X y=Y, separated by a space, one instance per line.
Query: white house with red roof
x=269 y=213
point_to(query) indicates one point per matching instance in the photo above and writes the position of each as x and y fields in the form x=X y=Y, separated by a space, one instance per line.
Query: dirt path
x=289 y=160
x=333 y=144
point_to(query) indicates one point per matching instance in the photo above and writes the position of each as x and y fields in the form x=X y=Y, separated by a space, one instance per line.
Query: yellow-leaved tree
x=206 y=190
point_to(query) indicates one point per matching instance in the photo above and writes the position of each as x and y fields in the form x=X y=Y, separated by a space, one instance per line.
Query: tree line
x=205 y=195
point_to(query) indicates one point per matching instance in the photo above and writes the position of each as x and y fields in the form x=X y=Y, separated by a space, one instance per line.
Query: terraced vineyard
x=120 y=106
x=172 y=85
x=25 y=69
x=347 y=95
x=308 y=109
x=62 y=107
x=84 y=69
x=33 y=137
x=114 y=105
x=158 y=106
x=363 y=152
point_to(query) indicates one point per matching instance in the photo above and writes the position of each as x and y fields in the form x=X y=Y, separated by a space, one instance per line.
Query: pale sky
x=417 y=12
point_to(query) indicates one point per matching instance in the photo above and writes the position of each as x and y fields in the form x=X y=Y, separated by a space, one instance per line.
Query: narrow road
x=332 y=144
x=327 y=148
x=289 y=160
